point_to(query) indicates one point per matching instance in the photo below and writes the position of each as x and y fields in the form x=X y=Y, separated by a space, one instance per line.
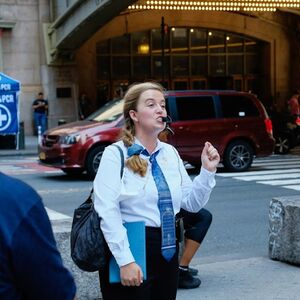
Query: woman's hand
x=210 y=157
x=131 y=275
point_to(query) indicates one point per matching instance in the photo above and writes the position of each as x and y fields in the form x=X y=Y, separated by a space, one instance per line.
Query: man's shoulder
x=17 y=193
x=17 y=200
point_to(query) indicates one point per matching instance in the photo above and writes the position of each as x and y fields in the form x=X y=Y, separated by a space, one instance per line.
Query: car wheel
x=283 y=144
x=73 y=172
x=93 y=161
x=238 y=156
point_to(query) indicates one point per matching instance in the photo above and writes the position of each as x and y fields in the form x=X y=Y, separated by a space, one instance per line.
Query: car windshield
x=110 y=112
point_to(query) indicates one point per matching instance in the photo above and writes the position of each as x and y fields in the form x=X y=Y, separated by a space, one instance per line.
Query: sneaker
x=193 y=271
x=187 y=281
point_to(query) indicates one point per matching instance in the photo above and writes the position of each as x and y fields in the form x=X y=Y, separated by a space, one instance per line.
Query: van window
x=238 y=106
x=195 y=108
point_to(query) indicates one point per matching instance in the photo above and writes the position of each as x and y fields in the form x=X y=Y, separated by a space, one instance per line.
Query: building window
x=140 y=43
x=234 y=43
x=141 y=67
x=198 y=65
x=235 y=64
x=179 y=40
x=217 y=65
x=180 y=65
x=216 y=42
x=215 y=56
x=120 y=45
x=120 y=67
x=63 y=92
x=198 y=40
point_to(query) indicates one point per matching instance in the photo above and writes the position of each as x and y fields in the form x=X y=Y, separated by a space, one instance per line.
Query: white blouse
x=134 y=198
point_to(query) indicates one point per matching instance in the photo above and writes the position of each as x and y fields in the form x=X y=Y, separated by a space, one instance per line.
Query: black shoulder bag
x=89 y=249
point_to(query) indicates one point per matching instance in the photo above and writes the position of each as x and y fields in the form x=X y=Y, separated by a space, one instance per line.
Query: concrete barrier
x=87 y=283
x=284 y=229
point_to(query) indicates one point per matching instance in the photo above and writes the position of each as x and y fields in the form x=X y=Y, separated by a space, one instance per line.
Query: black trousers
x=196 y=224
x=162 y=276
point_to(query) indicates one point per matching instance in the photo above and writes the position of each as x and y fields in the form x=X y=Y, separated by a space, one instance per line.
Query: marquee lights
x=222 y=5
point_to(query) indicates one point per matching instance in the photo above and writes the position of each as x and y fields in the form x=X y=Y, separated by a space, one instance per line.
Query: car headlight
x=71 y=139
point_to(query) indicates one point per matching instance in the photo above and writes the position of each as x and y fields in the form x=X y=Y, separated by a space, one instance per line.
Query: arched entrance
x=194 y=58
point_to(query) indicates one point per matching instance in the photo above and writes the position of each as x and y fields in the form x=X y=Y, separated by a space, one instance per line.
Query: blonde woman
x=154 y=186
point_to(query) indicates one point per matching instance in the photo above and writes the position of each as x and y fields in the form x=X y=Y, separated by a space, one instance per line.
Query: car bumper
x=59 y=157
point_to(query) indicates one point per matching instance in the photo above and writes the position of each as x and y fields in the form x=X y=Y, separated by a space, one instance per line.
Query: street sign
x=9 y=116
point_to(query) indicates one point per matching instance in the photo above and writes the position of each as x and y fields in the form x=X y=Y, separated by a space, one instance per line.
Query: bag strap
x=122 y=165
x=122 y=159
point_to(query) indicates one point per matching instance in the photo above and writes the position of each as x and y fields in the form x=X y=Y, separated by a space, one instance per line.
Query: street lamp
x=163 y=31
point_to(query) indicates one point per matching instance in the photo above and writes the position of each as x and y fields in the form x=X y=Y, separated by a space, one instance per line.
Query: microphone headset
x=168 y=120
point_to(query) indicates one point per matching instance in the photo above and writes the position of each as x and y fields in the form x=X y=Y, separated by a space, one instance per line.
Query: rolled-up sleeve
x=196 y=193
x=107 y=188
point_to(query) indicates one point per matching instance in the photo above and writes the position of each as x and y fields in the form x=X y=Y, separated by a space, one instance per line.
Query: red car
x=236 y=123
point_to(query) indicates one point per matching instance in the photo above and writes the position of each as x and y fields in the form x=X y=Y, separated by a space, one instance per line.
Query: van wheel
x=93 y=161
x=238 y=156
x=283 y=144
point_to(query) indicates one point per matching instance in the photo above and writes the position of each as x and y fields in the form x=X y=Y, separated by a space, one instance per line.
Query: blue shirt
x=30 y=264
x=134 y=198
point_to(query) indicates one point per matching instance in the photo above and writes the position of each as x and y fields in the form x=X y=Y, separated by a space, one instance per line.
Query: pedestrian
x=293 y=121
x=196 y=226
x=153 y=188
x=293 y=104
x=40 y=113
x=118 y=93
x=83 y=106
x=30 y=264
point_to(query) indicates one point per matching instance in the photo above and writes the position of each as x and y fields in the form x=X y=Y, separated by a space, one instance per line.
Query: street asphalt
x=234 y=279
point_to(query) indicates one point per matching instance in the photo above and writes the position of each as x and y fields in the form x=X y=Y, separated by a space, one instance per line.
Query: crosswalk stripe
x=276 y=163
x=266 y=177
x=276 y=170
x=273 y=160
x=280 y=182
x=55 y=215
x=252 y=173
x=64 y=191
x=271 y=167
x=292 y=187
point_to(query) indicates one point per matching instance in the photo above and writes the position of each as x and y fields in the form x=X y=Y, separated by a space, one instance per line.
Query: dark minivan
x=236 y=123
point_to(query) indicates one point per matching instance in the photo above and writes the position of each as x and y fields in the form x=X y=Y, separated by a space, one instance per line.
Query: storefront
x=194 y=58
x=201 y=50
x=103 y=46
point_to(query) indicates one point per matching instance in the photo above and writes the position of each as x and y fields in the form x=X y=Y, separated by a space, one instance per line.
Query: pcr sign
x=9 y=116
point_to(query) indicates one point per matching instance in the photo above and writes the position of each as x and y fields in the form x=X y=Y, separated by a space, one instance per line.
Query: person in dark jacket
x=30 y=264
x=40 y=113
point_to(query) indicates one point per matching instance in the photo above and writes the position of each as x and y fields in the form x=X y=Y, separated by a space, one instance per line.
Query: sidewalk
x=258 y=278
x=31 y=143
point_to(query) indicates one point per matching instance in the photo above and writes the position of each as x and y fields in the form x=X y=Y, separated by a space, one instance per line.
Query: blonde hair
x=131 y=98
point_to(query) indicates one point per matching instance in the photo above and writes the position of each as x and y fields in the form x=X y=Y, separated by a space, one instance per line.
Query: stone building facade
x=24 y=26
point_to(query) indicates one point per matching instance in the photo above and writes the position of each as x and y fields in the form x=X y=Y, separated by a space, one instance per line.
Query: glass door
x=180 y=84
x=199 y=84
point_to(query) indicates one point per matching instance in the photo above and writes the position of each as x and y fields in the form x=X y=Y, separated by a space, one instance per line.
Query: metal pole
x=163 y=49
x=39 y=134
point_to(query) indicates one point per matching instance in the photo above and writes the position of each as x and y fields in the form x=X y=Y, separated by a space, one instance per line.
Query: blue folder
x=137 y=241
